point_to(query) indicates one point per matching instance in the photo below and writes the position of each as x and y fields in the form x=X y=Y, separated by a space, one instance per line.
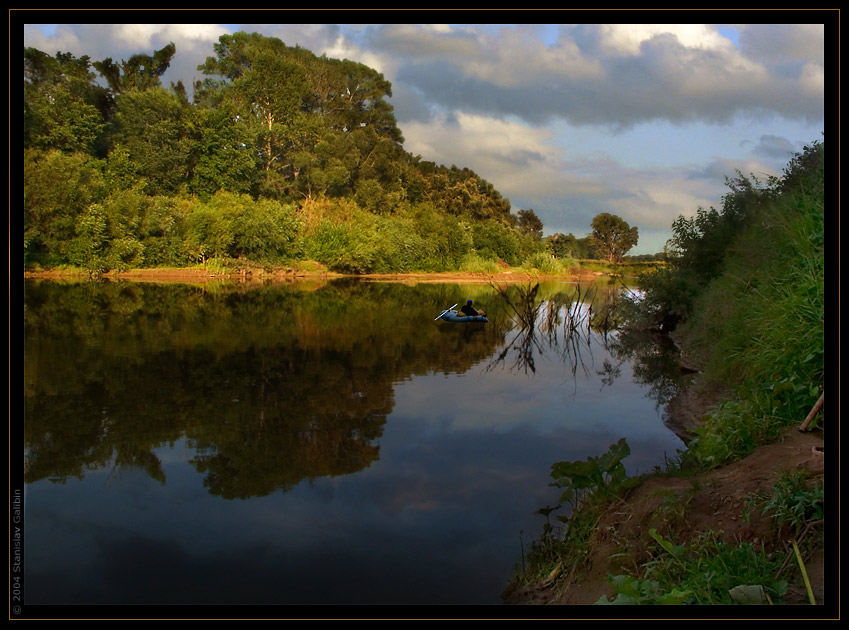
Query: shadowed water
x=312 y=444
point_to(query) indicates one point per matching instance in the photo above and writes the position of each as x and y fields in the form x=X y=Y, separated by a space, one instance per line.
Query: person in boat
x=471 y=311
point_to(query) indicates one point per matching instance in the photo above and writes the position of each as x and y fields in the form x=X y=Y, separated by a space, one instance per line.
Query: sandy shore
x=290 y=275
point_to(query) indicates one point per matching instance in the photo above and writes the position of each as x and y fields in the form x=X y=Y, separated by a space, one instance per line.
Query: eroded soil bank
x=715 y=500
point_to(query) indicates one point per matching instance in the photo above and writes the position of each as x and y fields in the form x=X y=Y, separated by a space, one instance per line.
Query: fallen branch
x=813 y=414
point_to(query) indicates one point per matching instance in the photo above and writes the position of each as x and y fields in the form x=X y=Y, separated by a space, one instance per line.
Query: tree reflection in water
x=269 y=386
x=278 y=385
x=570 y=324
x=565 y=323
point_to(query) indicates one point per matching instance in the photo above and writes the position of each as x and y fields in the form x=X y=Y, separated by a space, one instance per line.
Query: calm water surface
x=307 y=444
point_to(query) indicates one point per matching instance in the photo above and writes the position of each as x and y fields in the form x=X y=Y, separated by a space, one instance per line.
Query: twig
x=812 y=415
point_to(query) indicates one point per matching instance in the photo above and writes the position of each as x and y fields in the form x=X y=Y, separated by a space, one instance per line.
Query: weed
x=793 y=503
x=587 y=487
x=603 y=476
x=673 y=508
x=708 y=572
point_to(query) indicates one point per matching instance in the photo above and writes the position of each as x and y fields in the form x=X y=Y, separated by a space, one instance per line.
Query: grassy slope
x=757 y=330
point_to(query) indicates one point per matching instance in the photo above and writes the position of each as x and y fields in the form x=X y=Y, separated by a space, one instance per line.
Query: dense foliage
x=281 y=155
x=745 y=288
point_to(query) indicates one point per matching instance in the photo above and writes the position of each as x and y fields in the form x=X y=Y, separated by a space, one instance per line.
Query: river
x=314 y=443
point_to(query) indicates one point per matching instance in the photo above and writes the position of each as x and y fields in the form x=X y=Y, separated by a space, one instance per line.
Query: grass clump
x=794 y=504
x=707 y=572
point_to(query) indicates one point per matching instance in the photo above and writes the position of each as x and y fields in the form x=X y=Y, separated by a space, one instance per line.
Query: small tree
x=613 y=236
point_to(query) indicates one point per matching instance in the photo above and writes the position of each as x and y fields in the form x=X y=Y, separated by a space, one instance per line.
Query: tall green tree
x=529 y=223
x=613 y=236
x=266 y=89
x=63 y=107
x=351 y=96
x=140 y=72
x=271 y=91
x=222 y=155
x=151 y=125
x=304 y=108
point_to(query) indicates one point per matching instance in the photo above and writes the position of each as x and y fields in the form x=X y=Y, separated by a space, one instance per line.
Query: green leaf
x=677 y=551
x=676 y=597
x=748 y=594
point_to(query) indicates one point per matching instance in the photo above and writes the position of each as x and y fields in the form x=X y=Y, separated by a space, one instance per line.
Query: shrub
x=544 y=263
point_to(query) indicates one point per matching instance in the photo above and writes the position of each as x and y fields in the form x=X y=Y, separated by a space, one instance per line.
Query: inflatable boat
x=456 y=316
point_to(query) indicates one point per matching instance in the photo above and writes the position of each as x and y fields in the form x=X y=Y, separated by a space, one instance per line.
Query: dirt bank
x=290 y=275
x=710 y=501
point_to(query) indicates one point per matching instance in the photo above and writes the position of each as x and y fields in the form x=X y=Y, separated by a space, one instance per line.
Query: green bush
x=758 y=325
x=793 y=503
x=544 y=263
x=475 y=263
x=399 y=247
x=58 y=188
x=493 y=241
x=343 y=247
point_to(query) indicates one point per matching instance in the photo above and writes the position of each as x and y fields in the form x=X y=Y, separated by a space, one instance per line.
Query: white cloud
x=779 y=43
x=626 y=39
x=63 y=38
x=138 y=35
x=813 y=79
x=510 y=153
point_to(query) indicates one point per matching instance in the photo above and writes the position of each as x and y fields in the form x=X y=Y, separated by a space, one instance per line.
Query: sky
x=644 y=121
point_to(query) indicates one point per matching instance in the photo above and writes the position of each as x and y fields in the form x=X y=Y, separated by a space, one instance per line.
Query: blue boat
x=456 y=316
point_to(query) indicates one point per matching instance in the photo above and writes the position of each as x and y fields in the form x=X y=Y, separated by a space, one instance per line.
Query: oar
x=443 y=312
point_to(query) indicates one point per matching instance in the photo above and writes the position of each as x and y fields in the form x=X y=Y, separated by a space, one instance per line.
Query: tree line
x=280 y=155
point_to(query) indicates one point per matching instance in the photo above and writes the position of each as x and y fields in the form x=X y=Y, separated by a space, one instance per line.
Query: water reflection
x=271 y=386
x=330 y=444
x=278 y=385
x=565 y=323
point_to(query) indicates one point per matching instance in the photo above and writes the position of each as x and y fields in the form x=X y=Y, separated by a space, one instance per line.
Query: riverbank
x=289 y=274
x=685 y=507
x=712 y=502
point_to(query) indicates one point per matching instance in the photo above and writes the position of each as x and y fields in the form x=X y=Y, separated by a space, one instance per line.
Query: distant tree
x=529 y=223
x=612 y=236
x=560 y=245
